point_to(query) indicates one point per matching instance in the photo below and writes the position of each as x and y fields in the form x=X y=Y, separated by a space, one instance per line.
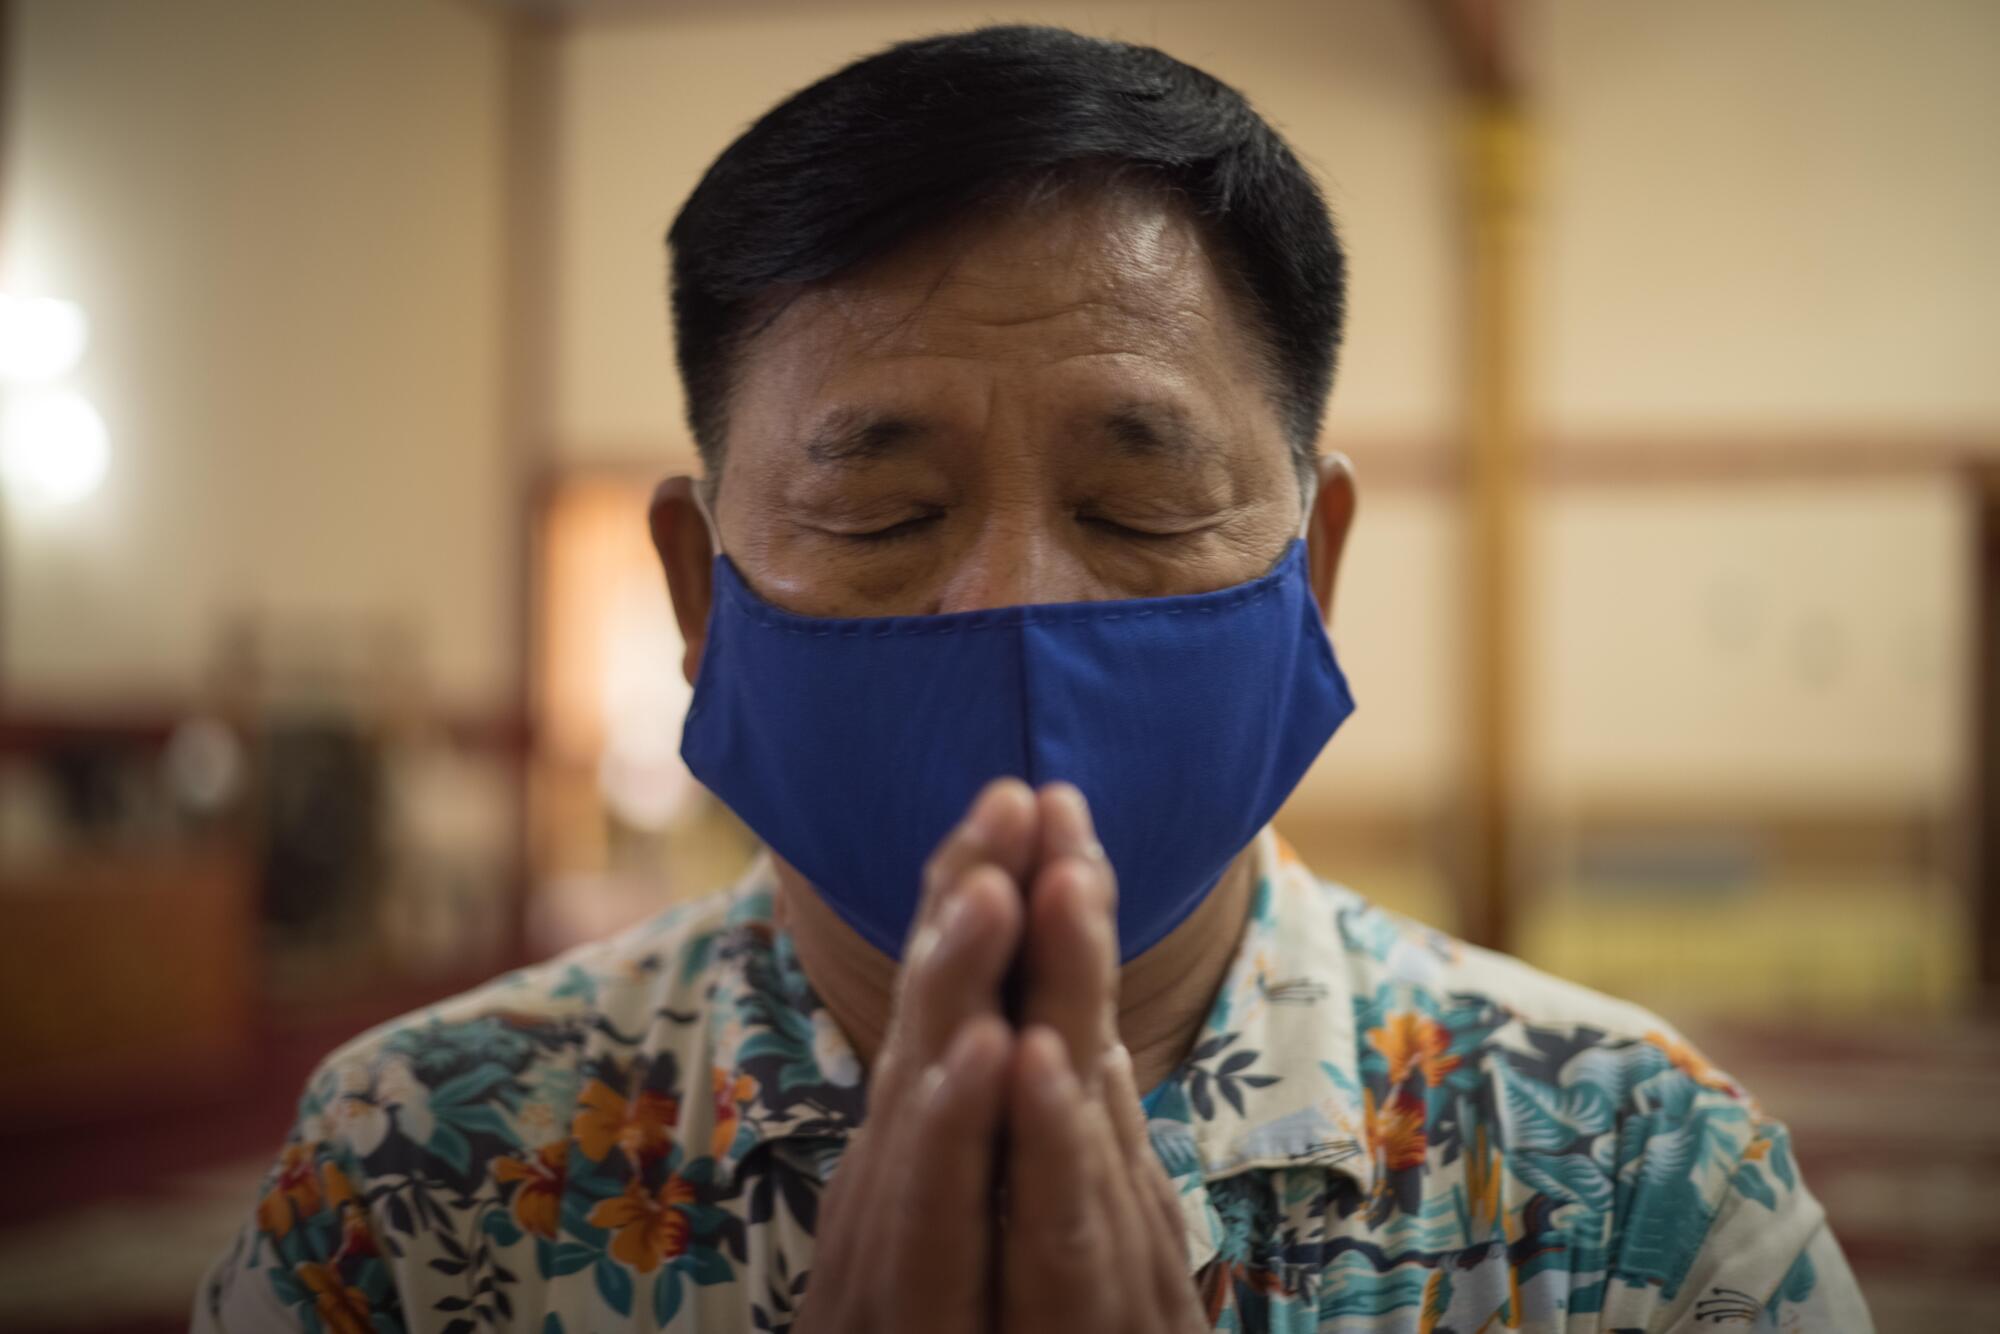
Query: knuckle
x=936 y=973
x=939 y=861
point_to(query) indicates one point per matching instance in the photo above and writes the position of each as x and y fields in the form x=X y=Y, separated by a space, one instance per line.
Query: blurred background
x=336 y=674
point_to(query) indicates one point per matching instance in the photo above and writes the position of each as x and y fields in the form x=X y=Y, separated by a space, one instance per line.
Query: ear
x=687 y=554
x=1326 y=528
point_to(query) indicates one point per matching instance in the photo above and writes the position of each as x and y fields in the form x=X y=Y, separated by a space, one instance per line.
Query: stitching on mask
x=1009 y=618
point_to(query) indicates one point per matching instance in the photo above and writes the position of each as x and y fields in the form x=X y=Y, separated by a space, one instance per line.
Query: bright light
x=53 y=447
x=40 y=337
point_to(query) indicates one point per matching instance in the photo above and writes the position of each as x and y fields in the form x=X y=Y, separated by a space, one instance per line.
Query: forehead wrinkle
x=1147 y=270
x=1104 y=326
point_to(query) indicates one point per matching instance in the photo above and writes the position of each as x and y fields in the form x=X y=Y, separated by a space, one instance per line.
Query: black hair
x=908 y=140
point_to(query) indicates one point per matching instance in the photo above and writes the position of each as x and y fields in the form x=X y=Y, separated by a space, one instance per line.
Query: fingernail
x=1117 y=1058
x=1054 y=1077
x=984 y=821
x=930 y=1085
x=963 y=1054
x=950 y=917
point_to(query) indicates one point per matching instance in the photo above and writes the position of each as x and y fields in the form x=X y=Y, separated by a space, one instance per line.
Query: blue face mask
x=853 y=746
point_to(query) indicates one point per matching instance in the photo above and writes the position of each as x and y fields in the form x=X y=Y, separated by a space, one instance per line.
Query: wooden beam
x=1476 y=38
x=1984 y=803
x=532 y=93
x=1494 y=169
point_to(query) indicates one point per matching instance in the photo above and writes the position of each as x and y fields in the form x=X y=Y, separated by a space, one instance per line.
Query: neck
x=1164 y=995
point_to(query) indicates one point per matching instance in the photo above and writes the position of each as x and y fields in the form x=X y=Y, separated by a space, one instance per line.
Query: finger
x=944 y=1179
x=1066 y=828
x=1156 y=1196
x=1001 y=827
x=1128 y=1119
x=1072 y=961
x=952 y=976
x=1129 y=1221
x=979 y=928
x=1057 y=1252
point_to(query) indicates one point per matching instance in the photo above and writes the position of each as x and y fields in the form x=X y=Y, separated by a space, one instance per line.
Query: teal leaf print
x=501 y=1228
x=576 y=984
x=1664 y=1227
x=1173 y=1143
x=1588 y=1108
x=1800 y=1281
x=1340 y=1079
x=471 y=1086
x=477 y=1120
x=1532 y=1113
x=449 y=1145
x=556 y=1260
x=695 y=961
x=666 y=1296
x=614 y=1285
x=707 y=1266
x=1750 y=1183
x=1570 y=1178
x=1781 y=1157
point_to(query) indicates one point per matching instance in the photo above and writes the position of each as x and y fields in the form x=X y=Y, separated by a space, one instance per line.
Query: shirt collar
x=1273 y=1080
x=783 y=1070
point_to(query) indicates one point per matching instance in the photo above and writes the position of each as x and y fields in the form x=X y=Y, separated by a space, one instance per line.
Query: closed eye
x=909 y=527
x=1113 y=528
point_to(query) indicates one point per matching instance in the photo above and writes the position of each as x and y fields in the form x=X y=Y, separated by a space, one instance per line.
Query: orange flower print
x=640 y=1127
x=342 y=1309
x=538 y=1202
x=1396 y=1130
x=356 y=1238
x=1693 y=1064
x=651 y=1228
x=339 y=1190
x=730 y=1095
x=1482 y=1185
x=294 y=1192
x=1412 y=1041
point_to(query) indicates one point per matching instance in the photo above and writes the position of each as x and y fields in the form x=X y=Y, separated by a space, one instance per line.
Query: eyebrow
x=1155 y=430
x=852 y=437
x=848 y=437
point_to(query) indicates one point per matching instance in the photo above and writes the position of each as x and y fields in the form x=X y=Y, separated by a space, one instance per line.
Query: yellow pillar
x=1495 y=171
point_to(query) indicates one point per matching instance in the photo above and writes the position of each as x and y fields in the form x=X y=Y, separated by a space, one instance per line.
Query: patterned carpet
x=105 y=1229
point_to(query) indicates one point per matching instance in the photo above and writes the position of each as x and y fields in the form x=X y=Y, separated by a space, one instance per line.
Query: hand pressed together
x=1003 y=1179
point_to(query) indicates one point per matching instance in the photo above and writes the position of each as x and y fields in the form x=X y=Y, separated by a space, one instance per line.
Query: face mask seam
x=862 y=630
x=762 y=614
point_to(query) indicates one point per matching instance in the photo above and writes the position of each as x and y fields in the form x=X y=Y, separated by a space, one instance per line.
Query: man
x=1006 y=353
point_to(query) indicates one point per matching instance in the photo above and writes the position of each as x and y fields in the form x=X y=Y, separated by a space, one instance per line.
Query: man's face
x=1029 y=409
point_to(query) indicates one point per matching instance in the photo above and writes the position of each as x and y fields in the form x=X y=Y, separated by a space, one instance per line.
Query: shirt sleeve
x=1766 y=1261
x=1819 y=1291
x=306 y=1258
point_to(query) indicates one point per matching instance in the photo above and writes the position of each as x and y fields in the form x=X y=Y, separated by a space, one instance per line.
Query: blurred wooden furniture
x=129 y=974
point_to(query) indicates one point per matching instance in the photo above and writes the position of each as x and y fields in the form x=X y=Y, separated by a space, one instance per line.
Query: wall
x=285 y=222
x=1776 y=215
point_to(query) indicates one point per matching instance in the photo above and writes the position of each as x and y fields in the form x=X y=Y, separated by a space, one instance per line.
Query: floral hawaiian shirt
x=1380 y=1129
